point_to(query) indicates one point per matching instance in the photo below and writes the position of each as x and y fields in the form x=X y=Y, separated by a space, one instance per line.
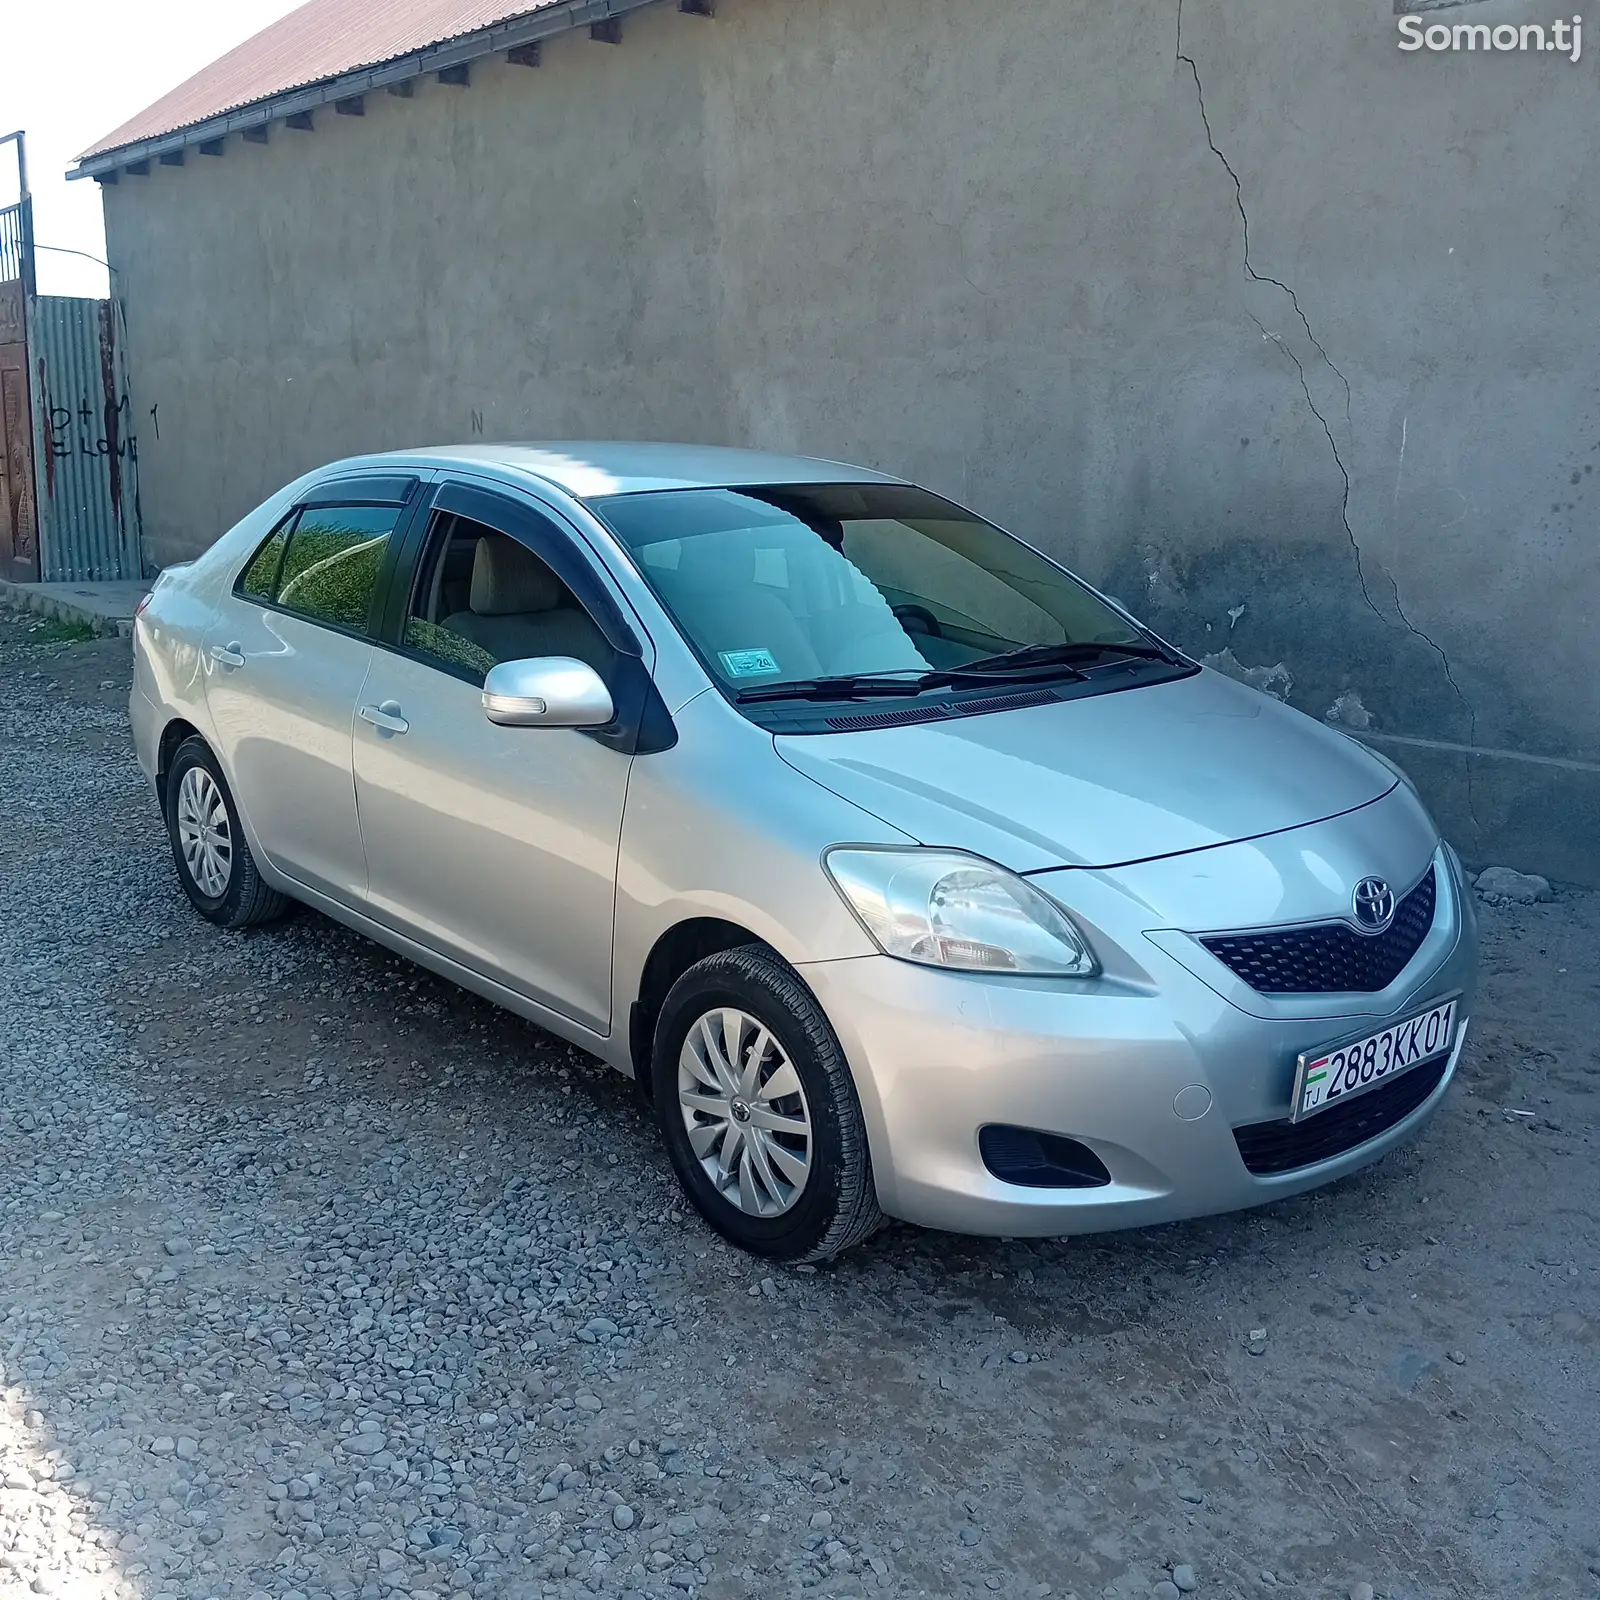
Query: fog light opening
x=1034 y=1160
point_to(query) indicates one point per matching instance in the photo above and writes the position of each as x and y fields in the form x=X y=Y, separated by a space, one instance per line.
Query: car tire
x=209 y=848
x=734 y=1143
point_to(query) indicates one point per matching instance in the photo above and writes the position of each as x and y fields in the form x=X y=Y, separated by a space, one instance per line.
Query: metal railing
x=16 y=244
x=16 y=223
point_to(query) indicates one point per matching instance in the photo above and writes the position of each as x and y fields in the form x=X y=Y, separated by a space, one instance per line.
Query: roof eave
x=469 y=47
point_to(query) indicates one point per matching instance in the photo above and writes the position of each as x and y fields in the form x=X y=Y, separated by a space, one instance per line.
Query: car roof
x=590 y=469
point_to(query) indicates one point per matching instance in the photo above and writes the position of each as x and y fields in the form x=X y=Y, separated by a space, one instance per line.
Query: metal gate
x=85 y=451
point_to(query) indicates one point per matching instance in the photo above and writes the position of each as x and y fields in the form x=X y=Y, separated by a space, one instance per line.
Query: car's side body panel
x=281 y=720
x=496 y=846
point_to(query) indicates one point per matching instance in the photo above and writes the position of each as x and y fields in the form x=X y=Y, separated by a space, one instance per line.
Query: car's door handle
x=385 y=718
x=228 y=655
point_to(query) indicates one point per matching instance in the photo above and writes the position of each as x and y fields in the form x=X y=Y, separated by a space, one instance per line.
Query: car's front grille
x=1331 y=957
x=1268 y=1147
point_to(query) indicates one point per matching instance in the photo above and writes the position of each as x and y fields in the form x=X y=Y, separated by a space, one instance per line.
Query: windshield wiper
x=856 y=686
x=1022 y=665
x=868 y=685
x=1050 y=655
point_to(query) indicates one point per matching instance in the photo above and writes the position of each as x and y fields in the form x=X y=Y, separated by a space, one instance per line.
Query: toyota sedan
x=906 y=874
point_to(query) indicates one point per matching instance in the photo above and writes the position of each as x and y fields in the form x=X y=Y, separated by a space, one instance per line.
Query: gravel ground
x=319 y=1277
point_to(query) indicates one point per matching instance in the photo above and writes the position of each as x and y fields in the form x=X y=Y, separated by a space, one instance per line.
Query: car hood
x=1100 y=781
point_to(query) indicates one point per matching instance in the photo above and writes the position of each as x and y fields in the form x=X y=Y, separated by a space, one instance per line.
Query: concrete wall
x=993 y=246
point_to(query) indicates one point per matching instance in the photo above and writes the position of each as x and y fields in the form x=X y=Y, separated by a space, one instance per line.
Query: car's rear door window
x=324 y=563
x=331 y=566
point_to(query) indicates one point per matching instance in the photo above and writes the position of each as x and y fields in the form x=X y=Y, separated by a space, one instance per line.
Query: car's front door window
x=482 y=597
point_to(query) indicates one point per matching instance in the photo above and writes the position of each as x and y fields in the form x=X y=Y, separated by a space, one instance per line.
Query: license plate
x=1329 y=1077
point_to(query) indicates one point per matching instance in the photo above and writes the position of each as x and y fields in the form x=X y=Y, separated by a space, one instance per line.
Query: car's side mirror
x=549 y=692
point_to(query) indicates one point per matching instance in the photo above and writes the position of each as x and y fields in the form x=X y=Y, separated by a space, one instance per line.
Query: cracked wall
x=1279 y=334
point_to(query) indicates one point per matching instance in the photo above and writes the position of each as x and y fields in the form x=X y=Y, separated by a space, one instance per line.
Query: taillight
x=144 y=600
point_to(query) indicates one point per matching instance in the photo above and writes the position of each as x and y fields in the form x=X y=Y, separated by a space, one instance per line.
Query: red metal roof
x=323 y=39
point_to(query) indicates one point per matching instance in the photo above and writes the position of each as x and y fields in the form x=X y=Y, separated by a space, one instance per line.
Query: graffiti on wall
x=88 y=430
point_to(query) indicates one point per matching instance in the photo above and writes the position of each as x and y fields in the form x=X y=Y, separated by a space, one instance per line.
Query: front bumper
x=937 y=1056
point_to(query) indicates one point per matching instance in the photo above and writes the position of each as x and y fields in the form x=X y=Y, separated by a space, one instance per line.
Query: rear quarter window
x=259 y=580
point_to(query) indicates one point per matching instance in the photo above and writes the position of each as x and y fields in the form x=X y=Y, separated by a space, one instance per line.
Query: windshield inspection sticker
x=748 y=663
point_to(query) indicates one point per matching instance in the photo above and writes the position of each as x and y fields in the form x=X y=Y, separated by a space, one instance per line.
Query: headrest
x=508 y=578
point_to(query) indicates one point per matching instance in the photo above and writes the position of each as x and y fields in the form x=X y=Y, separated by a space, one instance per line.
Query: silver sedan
x=907 y=874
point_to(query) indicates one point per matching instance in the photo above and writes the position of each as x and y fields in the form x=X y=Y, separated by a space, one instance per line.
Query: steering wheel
x=918 y=619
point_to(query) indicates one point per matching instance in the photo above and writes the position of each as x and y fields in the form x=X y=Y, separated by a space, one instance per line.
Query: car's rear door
x=496 y=846
x=285 y=661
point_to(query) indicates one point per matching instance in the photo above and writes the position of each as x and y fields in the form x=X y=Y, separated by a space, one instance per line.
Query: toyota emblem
x=1374 y=905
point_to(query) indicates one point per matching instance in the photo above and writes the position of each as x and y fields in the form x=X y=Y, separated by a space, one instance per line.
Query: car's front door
x=495 y=846
x=285 y=660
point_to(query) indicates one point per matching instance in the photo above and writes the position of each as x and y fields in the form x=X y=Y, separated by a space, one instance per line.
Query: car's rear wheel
x=759 y=1111
x=214 y=862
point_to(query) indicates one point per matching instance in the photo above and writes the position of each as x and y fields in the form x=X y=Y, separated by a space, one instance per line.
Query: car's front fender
x=720 y=828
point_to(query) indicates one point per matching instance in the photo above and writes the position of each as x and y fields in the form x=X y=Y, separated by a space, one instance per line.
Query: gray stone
x=1515 y=888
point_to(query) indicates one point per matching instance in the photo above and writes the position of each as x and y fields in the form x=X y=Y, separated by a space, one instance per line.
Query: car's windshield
x=791 y=584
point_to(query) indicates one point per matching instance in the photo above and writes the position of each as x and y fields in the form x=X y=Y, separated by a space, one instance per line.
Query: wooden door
x=19 y=523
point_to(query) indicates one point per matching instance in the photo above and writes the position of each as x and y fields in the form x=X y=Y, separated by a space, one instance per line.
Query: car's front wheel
x=759 y=1111
x=214 y=862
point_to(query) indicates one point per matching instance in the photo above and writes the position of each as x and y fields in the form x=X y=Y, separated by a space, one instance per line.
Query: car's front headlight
x=944 y=908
